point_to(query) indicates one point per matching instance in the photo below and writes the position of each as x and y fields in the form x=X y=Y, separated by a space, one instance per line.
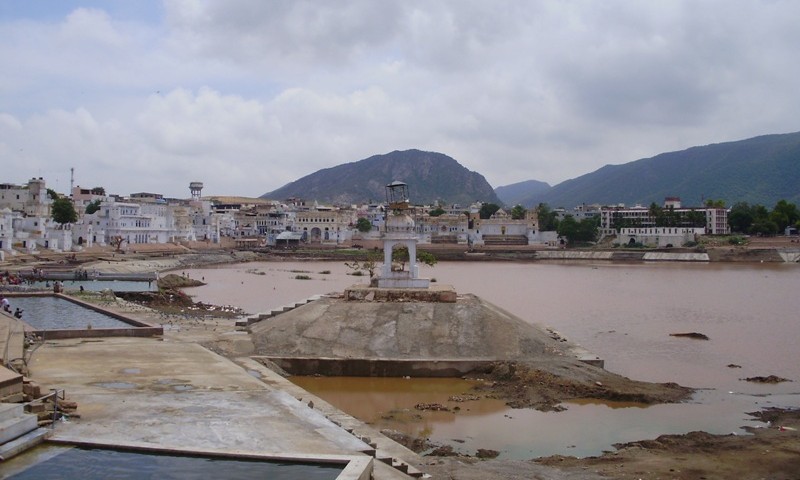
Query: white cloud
x=248 y=95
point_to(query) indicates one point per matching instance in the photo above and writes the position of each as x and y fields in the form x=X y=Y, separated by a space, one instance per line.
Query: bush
x=358 y=273
x=325 y=272
x=737 y=240
x=302 y=277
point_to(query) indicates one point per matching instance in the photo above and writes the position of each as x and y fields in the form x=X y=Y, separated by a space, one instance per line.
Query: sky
x=248 y=95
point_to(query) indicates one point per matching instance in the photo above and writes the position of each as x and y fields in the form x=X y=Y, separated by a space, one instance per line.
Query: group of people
x=6 y=306
x=8 y=278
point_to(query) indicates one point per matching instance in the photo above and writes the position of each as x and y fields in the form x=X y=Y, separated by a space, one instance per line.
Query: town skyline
x=255 y=95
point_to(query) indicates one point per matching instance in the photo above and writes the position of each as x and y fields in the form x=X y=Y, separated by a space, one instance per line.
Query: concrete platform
x=146 y=392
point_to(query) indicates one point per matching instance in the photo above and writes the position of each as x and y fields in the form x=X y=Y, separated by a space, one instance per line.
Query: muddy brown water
x=622 y=312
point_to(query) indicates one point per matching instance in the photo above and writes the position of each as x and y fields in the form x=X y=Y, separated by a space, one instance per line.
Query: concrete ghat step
x=16 y=427
x=23 y=443
x=10 y=411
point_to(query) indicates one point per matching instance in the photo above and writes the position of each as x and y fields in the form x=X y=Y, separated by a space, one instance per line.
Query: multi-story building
x=322 y=224
x=30 y=199
x=669 y=225
x=713 y=220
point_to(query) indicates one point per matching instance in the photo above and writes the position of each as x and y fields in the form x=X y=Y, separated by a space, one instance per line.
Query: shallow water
x=53 y=313
x=91 y=464
x=622 y=312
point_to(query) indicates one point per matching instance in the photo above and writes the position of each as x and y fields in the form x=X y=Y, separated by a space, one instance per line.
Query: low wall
x=438 y=294
x=368 y=367
x=99 y=333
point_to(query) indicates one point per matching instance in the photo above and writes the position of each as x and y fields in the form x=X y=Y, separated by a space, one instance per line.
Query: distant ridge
x=517 y=193
x=431 y=176
x=762 y=170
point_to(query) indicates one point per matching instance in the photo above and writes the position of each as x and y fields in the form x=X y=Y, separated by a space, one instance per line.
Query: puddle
x=131 y=371
x=182 y=388
x=171 y=381
x=254 y=373
x=116 y=385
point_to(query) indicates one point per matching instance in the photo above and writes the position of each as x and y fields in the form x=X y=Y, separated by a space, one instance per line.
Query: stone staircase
x=449 y=239
x=505 y=240
x=246 y=322
x=19 y=431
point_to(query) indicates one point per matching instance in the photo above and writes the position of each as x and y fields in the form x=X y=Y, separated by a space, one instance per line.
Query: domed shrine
x=399 y=231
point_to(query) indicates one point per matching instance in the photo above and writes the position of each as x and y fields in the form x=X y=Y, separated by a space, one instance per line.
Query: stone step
x=23 y=443
x=16 y=427
x=9 y=411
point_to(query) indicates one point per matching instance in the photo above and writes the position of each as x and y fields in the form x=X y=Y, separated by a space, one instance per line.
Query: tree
x=117 y=242
x=436 y=212
x=487 y=210
x=92 y=207
x=63 y=211
x=518 y=212
x=400 y=255
x=363 y=225
x=52 y=194
x=715 y=203
x=784 y=214
x=741 y=217
x=575 y=231
x=369 y=264
x=548 y=219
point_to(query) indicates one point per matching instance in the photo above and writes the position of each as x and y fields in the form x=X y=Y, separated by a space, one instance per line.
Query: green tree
x=548 y=219
x=487 y=210
x=695 y=219
x=92 y=207
x=63 y=211
x=741 y=217
x=715 y=203
x=784 y=214
x=658 y=215
x=400 y=255
x=578 y=231
x=52 y=194
x=436 y=212
x=363 y=225
x=518 y=212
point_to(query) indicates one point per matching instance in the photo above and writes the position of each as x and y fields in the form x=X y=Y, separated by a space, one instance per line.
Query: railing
x=55 y=394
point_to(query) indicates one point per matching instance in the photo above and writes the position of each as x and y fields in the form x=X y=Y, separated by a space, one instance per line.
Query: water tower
x=196 y=188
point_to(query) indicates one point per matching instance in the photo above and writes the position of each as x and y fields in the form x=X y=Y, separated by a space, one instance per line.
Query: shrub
x=302 y=277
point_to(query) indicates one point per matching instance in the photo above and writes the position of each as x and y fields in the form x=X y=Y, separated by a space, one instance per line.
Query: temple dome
x=399 y=222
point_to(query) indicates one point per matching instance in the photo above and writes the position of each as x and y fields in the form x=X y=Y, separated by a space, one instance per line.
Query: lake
x=621 y=312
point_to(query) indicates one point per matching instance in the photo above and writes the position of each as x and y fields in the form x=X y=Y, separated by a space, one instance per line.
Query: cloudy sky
x=247 y=95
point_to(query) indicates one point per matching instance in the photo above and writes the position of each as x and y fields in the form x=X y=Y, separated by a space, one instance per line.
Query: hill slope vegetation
x=760 y=170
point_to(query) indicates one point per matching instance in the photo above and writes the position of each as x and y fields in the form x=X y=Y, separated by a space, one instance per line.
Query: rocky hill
x=430 y=176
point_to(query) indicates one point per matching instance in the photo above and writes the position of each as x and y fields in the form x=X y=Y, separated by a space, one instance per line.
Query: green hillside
x=761 y=170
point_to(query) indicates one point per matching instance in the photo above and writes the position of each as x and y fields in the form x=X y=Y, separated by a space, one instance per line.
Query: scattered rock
x=733 y=365
x=693 y=335
x=417 y=445
x=486 y=453
x=431 y=406
x=768 y=379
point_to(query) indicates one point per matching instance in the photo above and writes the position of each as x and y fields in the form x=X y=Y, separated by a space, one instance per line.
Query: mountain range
x=759 y=170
